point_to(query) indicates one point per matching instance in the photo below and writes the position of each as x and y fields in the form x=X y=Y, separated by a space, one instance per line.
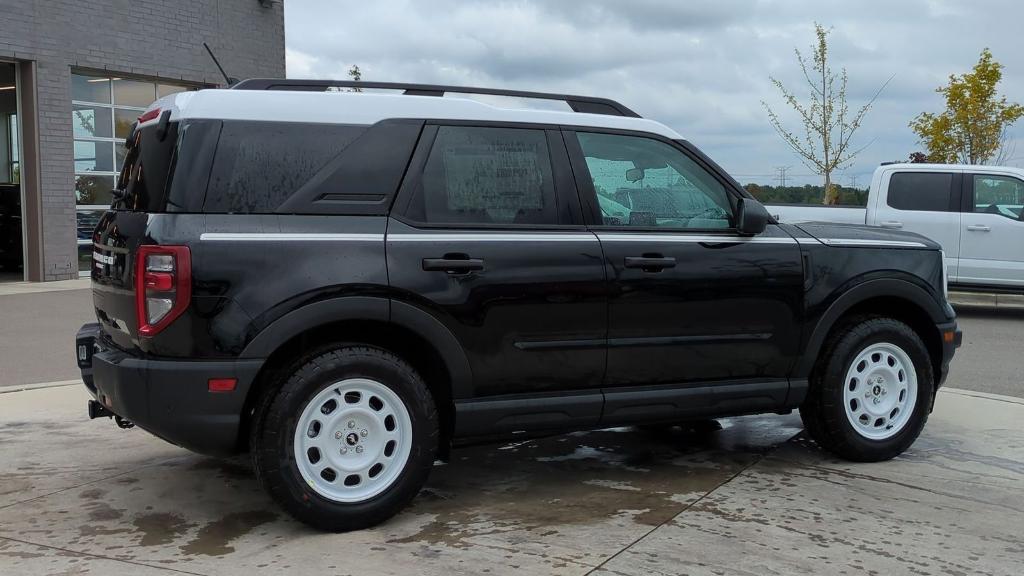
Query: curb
x=1010 y=301
x=983 y=395
x=41 y=385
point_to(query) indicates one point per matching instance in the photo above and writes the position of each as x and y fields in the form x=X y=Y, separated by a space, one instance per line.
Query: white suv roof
x=288 y=105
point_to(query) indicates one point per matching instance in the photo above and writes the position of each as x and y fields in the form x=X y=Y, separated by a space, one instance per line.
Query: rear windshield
x=167 y=174
x=143 y=179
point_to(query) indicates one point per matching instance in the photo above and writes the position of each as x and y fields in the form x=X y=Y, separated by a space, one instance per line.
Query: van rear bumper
x=171 y=398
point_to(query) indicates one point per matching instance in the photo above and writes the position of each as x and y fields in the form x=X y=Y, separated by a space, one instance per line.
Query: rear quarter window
x=920 y=191
x=259 y=165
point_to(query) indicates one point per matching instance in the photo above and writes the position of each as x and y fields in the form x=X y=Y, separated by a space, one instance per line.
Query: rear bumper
x=171 y=398
x=952 y=338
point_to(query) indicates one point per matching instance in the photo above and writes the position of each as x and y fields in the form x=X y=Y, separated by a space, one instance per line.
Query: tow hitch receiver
x=97 y=410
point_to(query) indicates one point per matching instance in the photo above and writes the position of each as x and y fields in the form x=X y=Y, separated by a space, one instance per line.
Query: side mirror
x=751 y=217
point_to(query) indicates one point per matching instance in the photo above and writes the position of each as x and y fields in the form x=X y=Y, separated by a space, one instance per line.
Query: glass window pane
x=84 y=258
x=646 y=183
x=119 y=153
x=133 y=93
x=920 y=191
x=93 y=190
x=259 y=165
x=93 y=121
x=166 y=89
x=123 y=120
x=1003 y=195
x=87 y=220
x=13 y=131
x=90 y=88
x=94 y=156
x=487 y=176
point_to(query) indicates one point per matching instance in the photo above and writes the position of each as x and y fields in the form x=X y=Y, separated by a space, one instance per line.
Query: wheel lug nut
x=351 y=423
x=337 y=435
x=363 y=433
x=344 y=450
x=359 y=449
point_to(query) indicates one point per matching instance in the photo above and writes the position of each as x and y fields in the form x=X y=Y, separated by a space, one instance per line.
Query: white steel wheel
x=353 y=440
x=880 y=391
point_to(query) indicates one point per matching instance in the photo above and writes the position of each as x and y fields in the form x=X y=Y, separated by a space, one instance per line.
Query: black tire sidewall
x=834 y=428
x=274 y=447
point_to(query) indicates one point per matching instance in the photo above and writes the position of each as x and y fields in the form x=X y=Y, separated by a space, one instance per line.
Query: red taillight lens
x=147 y=116
x=163 y=286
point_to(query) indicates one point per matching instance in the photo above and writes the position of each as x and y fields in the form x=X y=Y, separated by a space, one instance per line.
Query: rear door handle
x=650 y=263
x=891 y=224
x=453 y=264
x=979 y=228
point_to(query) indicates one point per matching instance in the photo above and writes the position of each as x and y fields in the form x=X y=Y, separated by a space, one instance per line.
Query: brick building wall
x=155 y=39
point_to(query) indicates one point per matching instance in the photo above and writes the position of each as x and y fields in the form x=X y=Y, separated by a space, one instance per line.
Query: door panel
x=729 y=309
x=530 y=312
x=926 y=203
x=992 y=249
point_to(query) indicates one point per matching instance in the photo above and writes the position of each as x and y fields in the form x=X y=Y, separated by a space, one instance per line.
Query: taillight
x=147 y=116
x=163 y=286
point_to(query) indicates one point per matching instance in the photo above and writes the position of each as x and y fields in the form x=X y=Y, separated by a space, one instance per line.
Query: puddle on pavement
x=544 y=485
x=214 y=539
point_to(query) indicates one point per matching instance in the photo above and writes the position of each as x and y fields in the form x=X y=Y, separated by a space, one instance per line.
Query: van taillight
x=163 y=286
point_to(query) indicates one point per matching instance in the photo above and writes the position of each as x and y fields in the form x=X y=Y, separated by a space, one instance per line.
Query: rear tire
x=871 y=391
x=347 y=439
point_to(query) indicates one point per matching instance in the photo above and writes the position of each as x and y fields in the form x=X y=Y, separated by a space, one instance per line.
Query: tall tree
x=828 y=125
x=972 y=129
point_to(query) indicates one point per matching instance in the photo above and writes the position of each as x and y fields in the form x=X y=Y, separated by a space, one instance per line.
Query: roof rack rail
x=585 y=104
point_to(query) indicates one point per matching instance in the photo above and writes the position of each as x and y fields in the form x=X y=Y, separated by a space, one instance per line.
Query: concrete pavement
x=755 y=498
x=37 y=333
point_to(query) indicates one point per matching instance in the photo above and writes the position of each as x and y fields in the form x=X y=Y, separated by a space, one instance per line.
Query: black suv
x=345 y=284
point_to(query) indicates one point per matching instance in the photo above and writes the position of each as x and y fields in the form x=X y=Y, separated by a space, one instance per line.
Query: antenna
x=230 y=81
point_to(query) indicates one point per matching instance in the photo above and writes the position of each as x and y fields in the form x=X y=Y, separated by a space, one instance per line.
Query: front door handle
x=650 y=263
x=891 y=224
x=453 y=264
x=979 y=228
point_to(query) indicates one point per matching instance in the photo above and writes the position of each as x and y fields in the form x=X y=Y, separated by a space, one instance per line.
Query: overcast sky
x=700 y=66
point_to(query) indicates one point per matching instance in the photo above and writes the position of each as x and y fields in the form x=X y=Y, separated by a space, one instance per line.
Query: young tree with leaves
x=972 y=129
x=356 y=75
x=828 y=125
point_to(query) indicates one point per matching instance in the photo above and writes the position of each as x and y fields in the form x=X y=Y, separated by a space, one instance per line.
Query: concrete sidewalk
x=755 y=498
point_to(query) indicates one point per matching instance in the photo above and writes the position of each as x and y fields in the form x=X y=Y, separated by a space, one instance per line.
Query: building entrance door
x=11 y=217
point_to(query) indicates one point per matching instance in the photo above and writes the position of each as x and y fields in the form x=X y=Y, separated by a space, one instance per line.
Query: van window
x=477 y=175
x=920 y=191
x=259 y=165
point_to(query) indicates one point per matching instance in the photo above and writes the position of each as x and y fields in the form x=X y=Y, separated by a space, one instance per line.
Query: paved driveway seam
x=688 y=506
x=99 y=556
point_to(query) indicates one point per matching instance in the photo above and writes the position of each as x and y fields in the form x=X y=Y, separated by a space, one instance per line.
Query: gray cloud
x=699 y=66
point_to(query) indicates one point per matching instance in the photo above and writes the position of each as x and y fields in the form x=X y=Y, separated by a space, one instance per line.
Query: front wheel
x=347 y=439
x=871 y=391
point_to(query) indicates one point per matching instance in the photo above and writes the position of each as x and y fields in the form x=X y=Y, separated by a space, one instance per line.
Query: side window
x=259 y=165
x=920 y=191
x=646 y=183
x=1002 y=195
x=488 y=176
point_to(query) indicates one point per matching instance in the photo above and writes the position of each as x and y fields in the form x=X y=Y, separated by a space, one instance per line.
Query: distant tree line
x=806 y=194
